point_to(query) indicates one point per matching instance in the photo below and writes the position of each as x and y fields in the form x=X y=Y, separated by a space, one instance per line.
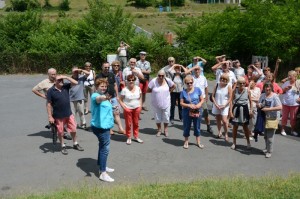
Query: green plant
x=64 y=5
x=23 y=5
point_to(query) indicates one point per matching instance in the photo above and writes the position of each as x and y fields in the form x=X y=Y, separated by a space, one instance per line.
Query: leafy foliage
x=64 y=5
x=266 y=29
x=22 y=5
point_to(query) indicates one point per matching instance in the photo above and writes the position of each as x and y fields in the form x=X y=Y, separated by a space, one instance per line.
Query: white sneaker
x=105 y=177
x=251 y=138
x=264 y=151
x=268 y=155
x=109 y=170
x=128 y=142
x=294 y=133
x=283 y=133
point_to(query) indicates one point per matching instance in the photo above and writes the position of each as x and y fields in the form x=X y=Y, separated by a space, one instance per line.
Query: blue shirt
x=60 y=101
x=199 y=63
x=102 y=113
x=191 y=98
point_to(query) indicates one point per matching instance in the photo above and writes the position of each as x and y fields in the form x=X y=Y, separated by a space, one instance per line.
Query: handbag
x=271 y=124
x=193 y=112
x=210 y=97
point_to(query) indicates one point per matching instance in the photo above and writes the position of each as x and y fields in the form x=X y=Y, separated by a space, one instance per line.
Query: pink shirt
x=277 y=89
x=160 y=96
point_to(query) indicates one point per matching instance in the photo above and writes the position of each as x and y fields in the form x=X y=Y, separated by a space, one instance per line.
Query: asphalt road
x=29 y=163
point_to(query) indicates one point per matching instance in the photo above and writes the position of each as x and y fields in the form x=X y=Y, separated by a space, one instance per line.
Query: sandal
x=186 y=145
x=158 y=133
x=201 y=146
x=166 y=133
x=226 y=138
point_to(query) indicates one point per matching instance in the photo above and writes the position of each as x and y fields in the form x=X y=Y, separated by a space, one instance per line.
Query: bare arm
x=38 y=93
x=276 y=68
x=191 y=69
x=49 y=111
x=203 y=60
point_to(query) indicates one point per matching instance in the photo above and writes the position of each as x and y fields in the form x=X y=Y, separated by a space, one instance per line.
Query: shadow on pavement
x=253 y=151
x=89 y=166
x=45 y=134
x=118 y=137
x=49 y=147
x=220 y=142
x=174 y=142
x=148 y=131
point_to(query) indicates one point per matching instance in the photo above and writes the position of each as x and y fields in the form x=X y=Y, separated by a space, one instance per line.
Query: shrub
x=23 y=5
x=64 y=5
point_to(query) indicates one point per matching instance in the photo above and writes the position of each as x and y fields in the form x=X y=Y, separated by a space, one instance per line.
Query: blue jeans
x=187 y=123
x=103 y=136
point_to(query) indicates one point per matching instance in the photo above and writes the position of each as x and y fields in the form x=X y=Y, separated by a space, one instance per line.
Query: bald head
x=52 y=74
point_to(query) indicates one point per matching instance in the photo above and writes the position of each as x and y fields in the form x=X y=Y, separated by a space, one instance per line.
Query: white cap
x=143 y=53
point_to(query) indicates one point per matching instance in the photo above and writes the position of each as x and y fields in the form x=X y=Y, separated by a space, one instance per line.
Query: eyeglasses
x=189 y=83
x=160 y=75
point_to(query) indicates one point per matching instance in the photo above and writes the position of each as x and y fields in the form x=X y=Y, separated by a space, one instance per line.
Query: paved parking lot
x=29 y=163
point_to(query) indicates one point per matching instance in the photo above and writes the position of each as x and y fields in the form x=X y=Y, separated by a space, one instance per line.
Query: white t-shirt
x=160 y=95
x=289 y=98
x=122 y=52
x=127 y=71
x=132 y=99
x=232 y=78
x=201 y=82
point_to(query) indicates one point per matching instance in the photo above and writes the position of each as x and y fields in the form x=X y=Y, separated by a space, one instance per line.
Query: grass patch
x=236 y=187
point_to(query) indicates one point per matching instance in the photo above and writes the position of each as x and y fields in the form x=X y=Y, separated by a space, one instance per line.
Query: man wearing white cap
x=146 y=70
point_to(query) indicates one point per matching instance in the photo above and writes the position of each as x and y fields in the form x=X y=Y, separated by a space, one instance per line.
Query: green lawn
x=231 y=188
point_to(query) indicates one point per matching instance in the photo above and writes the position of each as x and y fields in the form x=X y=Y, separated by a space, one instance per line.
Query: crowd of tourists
x=250 y=99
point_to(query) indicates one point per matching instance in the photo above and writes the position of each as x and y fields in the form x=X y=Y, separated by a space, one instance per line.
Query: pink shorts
x=144 y=86
x=68 y=121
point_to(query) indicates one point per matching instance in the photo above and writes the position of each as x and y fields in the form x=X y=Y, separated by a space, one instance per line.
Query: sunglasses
x=171 y=61
x=223 y=79
x=116 y=65
x=189 y=83
x=106 y=67
x=242 y=83
x=132 y=62
x=267 y=70
x=160 y=75
x=131 y=80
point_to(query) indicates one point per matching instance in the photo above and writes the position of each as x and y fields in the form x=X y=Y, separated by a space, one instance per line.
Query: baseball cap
x=143 y=53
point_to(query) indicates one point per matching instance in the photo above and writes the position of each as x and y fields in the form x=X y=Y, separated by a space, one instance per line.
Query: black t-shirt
x=111 y=82
x=60 y=101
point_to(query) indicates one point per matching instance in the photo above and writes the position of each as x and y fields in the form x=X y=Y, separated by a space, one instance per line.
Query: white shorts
x=223 y=112
x=162 y=115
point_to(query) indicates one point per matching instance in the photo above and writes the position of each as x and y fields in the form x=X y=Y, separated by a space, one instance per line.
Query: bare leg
x=225 y=126
x=119 y=123
x=219 y=125
x=247 y=133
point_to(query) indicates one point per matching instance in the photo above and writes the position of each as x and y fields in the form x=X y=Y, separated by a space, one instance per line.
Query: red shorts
x=144 y=86
x=68 y=121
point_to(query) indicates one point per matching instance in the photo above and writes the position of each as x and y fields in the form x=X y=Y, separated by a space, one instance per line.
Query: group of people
x=248 y=99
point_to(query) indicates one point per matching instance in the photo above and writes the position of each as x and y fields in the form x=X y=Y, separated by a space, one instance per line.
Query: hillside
x=150 y=19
